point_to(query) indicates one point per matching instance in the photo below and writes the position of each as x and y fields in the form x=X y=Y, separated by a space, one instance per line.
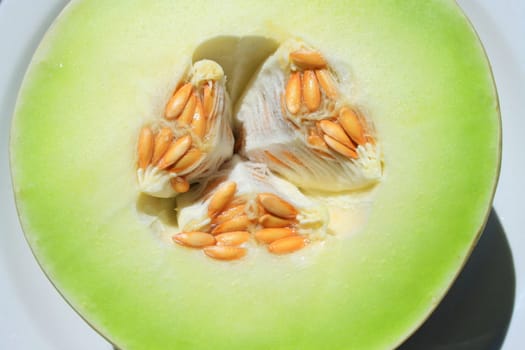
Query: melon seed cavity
x=296 y=128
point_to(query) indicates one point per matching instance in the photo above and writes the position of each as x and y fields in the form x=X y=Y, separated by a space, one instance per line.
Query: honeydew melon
x=105 y=68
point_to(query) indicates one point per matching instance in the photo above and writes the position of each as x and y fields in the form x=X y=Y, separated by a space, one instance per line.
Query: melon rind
x=107 y=67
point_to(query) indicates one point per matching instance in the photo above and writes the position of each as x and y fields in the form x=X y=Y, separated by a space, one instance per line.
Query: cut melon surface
x=106 y=68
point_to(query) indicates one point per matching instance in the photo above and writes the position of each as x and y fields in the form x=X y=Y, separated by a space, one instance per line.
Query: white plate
x=32 y=313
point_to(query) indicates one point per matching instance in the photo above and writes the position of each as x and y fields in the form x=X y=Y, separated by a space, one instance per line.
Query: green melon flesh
x=106 y=67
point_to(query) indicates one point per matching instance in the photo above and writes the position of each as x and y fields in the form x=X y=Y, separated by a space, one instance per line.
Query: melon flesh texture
x=107 y=67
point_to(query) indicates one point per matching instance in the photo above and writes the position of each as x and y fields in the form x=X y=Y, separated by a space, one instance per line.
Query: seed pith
x=351 y=124
x=277 y=206
x=194 y=239
x=293 y=93
x=145 y=147
x=308 y=59
x=175 y=152
x=274 y=159
x=177 y=102
x=221 y=198
x=238 y=223
x=293 y=158
x=339 y=147
x=311 y=92
x=336 y=131
x=233 y=238
x=162 y=142
x=287 y=245
x=269 y=235
x=225 y=252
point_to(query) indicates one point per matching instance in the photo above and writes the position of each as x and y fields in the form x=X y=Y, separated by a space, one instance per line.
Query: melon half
x=107 y=67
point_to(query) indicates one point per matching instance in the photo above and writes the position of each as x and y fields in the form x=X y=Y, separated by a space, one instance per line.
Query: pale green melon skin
x=105 y=65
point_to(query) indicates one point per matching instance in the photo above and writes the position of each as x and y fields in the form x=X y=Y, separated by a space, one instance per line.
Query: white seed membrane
x=216 y=145
x=251 y=179
x=155 y=182
x=270 y=132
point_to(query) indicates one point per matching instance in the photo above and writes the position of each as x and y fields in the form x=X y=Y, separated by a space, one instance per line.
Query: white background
x=34 y=316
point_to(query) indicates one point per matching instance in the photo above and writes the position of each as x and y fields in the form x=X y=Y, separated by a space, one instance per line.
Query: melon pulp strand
x=252 y=180
x=297 y=117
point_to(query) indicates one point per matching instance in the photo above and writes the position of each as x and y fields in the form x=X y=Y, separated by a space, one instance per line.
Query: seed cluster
x=303 y=90
x=342 y=133
x=275 y=225
x=166 y=153
x=309 y=82
x=190 y=110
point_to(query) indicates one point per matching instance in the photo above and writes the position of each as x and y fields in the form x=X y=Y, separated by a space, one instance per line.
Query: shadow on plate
x=476 y=312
